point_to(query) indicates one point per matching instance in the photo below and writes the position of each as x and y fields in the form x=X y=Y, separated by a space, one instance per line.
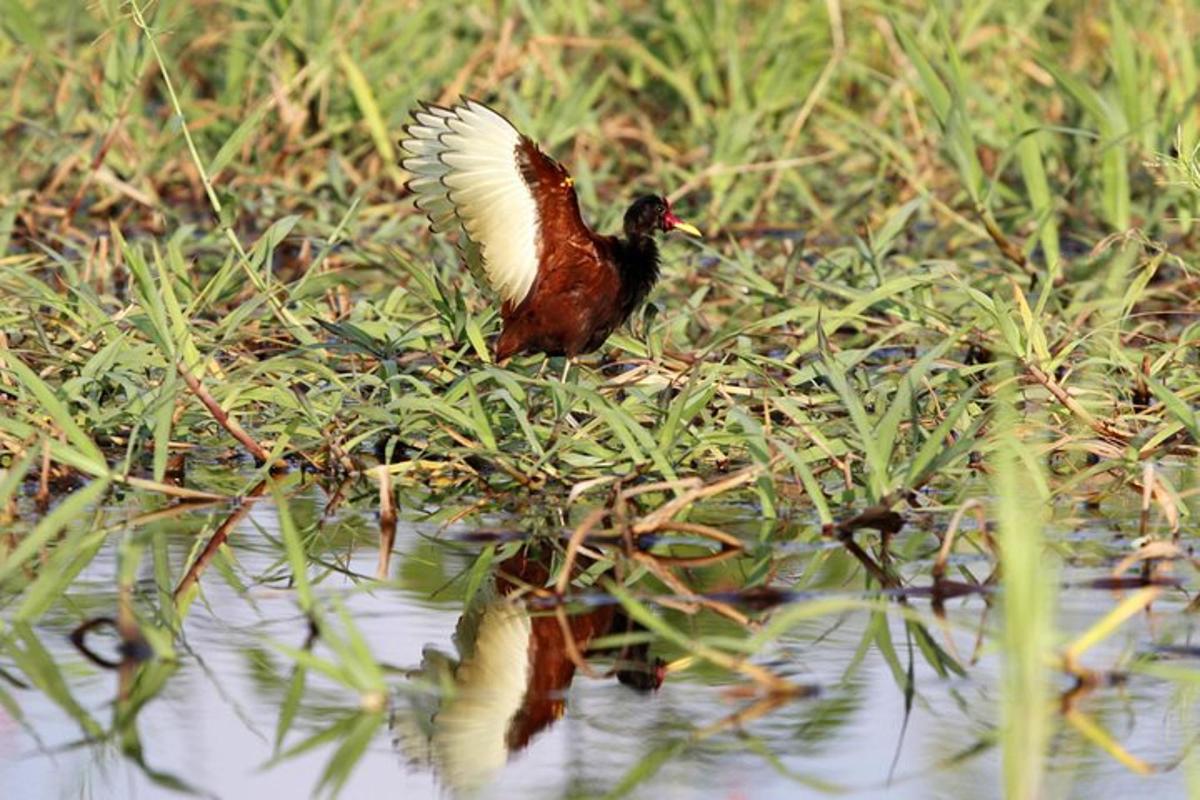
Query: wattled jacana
x=563 y=288
x=514 y=668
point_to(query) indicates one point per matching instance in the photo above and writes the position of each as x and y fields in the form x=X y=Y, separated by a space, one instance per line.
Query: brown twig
x=577 y=536
x=260 y=454
x=1102 y=427
x=1007 y=247
x=939 y=566
x=731 y=546
x=181 y=492
x=387 y=521
x=759 y=708
x=1147 y=497
x=42 y=498
x=877 y=518
x=664 y=513
x=687 y=595
x=570 y=645
x=219 y=537
x=97 y=162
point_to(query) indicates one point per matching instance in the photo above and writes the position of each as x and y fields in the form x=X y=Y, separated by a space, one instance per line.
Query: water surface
x=901 y=709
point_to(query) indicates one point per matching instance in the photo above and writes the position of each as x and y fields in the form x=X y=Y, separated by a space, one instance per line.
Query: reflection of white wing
x=470 y=731
x=464 y=163
x=412 y=725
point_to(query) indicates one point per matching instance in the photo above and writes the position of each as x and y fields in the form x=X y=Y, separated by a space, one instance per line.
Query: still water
x=213 y=724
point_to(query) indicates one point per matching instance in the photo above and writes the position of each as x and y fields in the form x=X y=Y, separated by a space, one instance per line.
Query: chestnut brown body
x=587 y=284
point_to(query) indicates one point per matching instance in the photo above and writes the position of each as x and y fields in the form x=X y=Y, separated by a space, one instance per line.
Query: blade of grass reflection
x=355 y=668
x=332 y=733
x=942 y=662
x=387 y=522
x=793 y=614
x=1102 y=739
x=757 y=744
x=71 y=555
x=1107 y=625
x=881 y=635
x=478 y=572
x=168 y=612
x=639 y=612
x=294 y=547
x=350 y=751
x=183 y=593
x=684 y=593
x=291 y=702
x=647 y=767
x=294 y=693
x=50 y=525
x=12 y=708
x=39 y=667
x=1026 y=601
x=909 y=690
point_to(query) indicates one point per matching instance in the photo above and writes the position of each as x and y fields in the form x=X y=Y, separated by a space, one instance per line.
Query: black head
x=652 y=213
x=646 y=216
x=644 y=677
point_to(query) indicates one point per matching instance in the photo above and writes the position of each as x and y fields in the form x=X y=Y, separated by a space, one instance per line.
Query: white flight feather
x=464 y=166
x=470 y=736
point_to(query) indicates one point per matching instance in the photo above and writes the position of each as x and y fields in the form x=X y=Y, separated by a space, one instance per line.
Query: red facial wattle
x=672 y=222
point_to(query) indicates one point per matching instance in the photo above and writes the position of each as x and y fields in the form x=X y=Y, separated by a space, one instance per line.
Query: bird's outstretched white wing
x=464 y=162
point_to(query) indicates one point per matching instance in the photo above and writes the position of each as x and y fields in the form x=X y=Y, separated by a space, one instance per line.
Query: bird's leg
x=570 y=420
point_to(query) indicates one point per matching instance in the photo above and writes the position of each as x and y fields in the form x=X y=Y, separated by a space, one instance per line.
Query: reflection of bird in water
x=510 y=681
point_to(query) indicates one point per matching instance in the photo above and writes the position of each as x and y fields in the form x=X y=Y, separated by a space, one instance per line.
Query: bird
x=511 y=678
x=563 y=288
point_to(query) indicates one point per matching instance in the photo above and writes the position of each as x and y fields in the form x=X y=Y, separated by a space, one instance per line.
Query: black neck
x=637 y=259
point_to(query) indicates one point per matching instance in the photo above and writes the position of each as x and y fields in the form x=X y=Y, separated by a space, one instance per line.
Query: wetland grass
x=923 y=405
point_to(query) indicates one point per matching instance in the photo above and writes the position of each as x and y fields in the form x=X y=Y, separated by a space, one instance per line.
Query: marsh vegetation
x=890 y=489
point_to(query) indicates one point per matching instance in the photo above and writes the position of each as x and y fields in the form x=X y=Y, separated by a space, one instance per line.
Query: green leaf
x=237 y=140
x=365 y=99
x=351 y=749
x=75 y=504
x=294 y=546
x=877 y=462
x=1178 y=408
x=54 y=408
x=35 y=661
